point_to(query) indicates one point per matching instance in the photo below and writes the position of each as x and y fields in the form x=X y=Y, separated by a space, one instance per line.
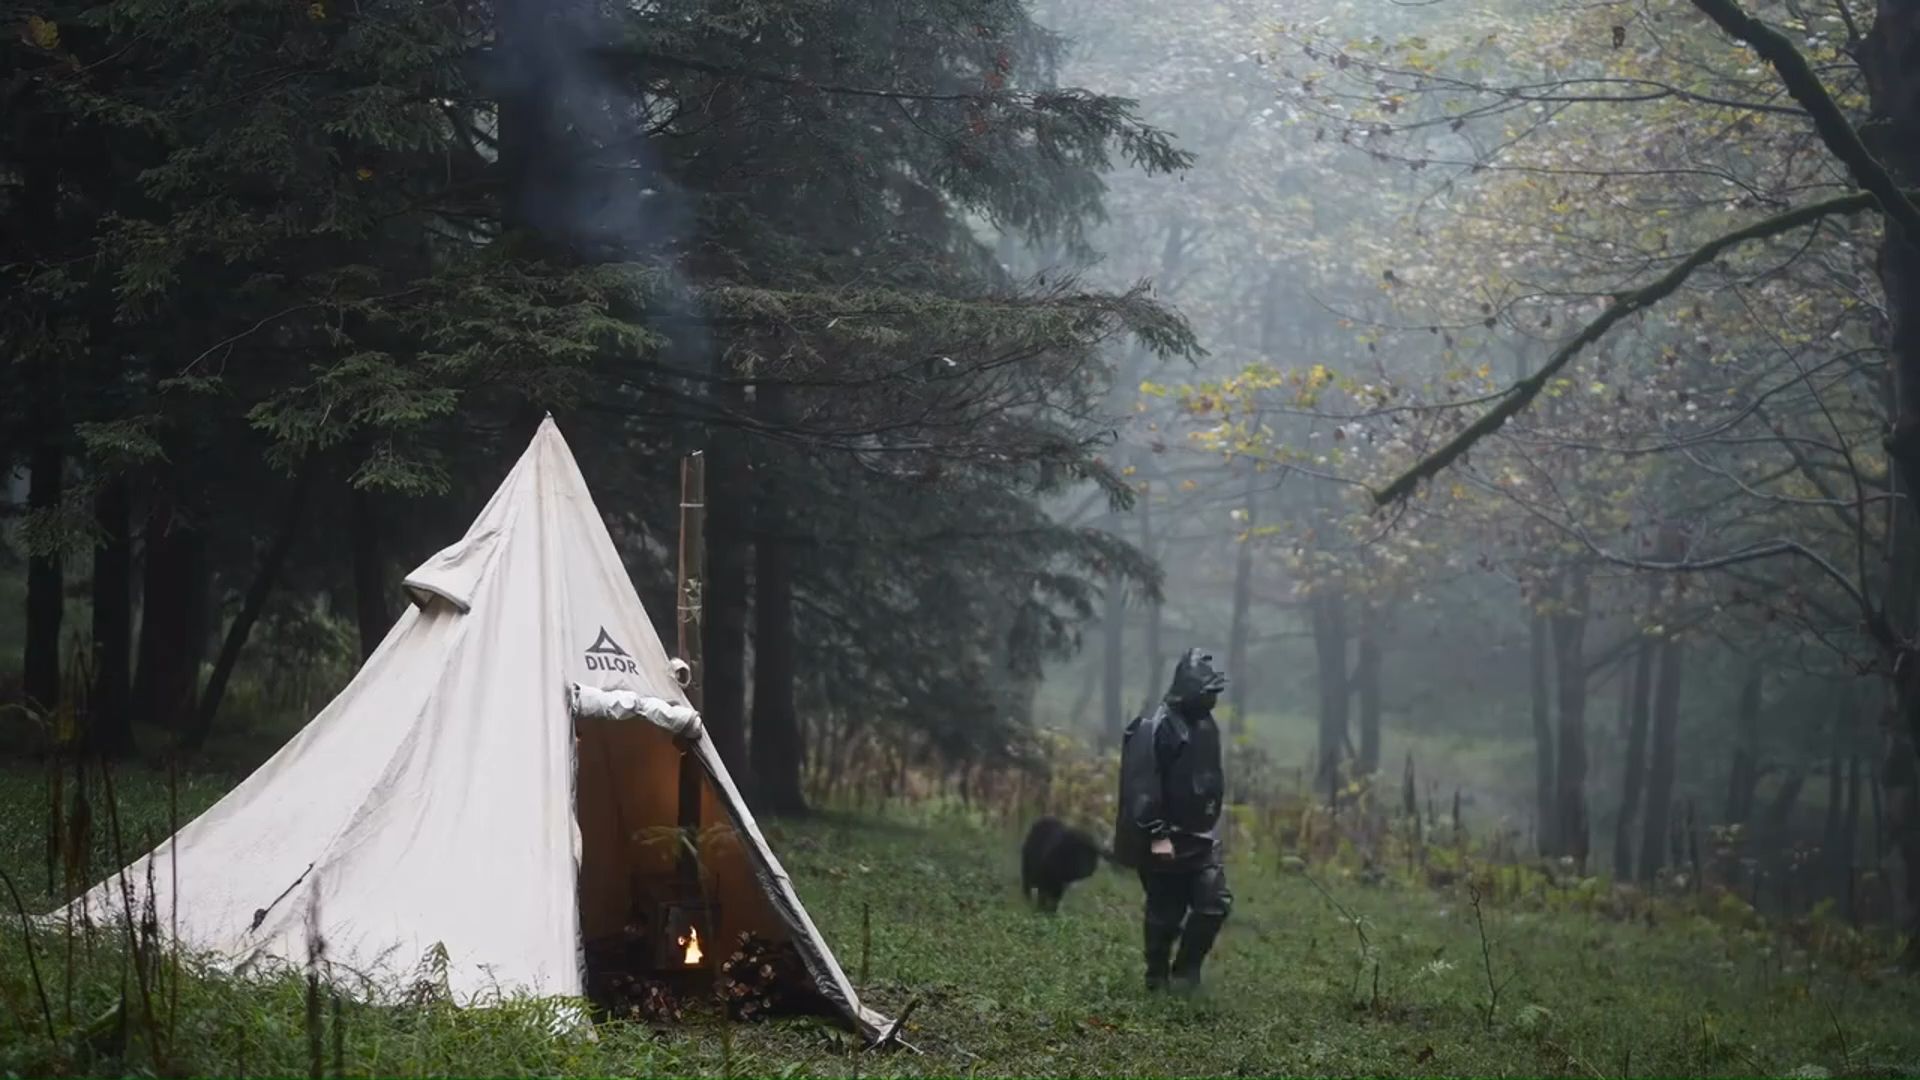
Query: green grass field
x=1004 y=991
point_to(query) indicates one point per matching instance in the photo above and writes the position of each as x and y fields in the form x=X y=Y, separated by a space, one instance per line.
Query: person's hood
x=1193 y=676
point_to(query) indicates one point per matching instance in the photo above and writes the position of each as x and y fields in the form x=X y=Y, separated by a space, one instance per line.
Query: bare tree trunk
x=1077 y=716
x=46 y=583
x=1623 y=702
x=1634 y=774
x=1666 y=723
x=1889 y=58
x=1776 y=821
x=1775 y=832
x=1836 y=808
x=110 y=716
x=1570 y=670
x=1242 y=604
x=778 y=751
x=173 y=617
x=1113 y=629
x=1746 y=762
x=1329 y=608
x=369 y=573
x=1879 y=819
x=724 y=601
x=1154 y=656
x=1543 y=758
x=1366 y=675
x=1850 y=838
x=251 y=608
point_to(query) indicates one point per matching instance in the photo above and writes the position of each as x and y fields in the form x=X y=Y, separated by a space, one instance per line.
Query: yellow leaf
x=363 y=173
x=42 y=33
x=317 y=11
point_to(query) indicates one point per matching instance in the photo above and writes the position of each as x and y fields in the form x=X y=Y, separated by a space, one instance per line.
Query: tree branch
x=1828 y=121
x=1518 y=396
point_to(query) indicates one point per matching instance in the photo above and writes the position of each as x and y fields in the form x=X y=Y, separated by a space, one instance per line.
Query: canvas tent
x=494 y=782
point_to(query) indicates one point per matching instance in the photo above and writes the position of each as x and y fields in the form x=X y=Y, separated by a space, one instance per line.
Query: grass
x=1004 y=991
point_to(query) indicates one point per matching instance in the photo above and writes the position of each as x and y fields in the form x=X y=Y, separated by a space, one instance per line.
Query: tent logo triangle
x=606 y=655
x=605 y=644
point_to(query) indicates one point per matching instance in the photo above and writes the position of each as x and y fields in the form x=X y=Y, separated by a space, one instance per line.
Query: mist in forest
x=1653 y=608
x=1517 y=401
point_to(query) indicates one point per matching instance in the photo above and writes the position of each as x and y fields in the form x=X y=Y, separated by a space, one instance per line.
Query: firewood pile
x=619 y=981
x=760 y=978
x=764 y=978
x=646 y=1001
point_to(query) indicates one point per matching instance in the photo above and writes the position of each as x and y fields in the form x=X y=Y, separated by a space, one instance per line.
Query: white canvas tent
x=437 y=803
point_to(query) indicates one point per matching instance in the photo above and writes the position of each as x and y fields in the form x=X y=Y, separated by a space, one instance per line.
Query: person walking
x=1172 y=784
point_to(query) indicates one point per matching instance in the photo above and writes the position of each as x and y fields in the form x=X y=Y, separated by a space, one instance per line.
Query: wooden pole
x=693 y=549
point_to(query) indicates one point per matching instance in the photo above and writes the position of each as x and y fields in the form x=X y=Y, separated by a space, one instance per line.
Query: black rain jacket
x=1172 y=782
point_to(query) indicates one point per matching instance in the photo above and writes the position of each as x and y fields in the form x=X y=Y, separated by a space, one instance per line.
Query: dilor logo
x=606 y=655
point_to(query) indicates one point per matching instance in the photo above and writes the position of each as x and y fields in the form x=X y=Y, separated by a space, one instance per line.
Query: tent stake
x=892 y=1035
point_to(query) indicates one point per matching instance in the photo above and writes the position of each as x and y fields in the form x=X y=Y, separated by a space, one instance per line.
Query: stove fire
x=684 y=939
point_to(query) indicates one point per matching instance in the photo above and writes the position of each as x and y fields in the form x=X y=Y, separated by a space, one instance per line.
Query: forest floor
x=1003 y=991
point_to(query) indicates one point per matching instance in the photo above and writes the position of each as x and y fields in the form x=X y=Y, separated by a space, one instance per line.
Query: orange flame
x=692 y=942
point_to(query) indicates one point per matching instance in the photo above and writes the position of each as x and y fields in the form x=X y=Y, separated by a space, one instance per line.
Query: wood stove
x=684 y=936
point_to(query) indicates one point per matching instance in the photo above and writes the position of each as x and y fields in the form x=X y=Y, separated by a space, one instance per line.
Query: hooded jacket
x=1171 y=779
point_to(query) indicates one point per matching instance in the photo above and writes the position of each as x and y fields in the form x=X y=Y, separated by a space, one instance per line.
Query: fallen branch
x=1521 y=394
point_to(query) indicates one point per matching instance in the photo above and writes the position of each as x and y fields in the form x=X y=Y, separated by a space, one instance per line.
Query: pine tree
x=362 y=247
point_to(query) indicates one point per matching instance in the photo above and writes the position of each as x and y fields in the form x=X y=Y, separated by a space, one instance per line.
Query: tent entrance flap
x=634 y=894
x=637 y=862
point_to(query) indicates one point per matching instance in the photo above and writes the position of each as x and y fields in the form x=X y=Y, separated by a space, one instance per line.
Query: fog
x=1651 y=588
x=1520 y=402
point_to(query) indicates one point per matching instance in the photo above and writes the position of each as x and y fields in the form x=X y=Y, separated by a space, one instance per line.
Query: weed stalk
x=1486 y=954
x=33 y=961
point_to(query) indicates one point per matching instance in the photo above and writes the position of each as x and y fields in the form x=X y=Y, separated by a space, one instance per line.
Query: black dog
x=1054 y=856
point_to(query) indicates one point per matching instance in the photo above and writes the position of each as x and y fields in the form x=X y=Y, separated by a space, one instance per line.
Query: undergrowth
x=1325 y=967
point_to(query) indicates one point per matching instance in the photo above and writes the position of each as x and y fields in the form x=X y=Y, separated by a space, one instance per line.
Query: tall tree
x=1572 y=610
x=725 y=596
x=1664 y=757
x=46 y=579
x=1745 y=776
x=1238 y=628
x=1113 y=630
x=1366 y=678
x=1634 y=772
x=1539 y=666
x=173 y=616
x=778 y=749
x=1328 y=605
x=110 y=705
x=371 y=618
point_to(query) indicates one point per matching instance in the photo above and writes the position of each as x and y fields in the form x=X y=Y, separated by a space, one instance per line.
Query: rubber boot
x=1159 y=946
x=1195 y=943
